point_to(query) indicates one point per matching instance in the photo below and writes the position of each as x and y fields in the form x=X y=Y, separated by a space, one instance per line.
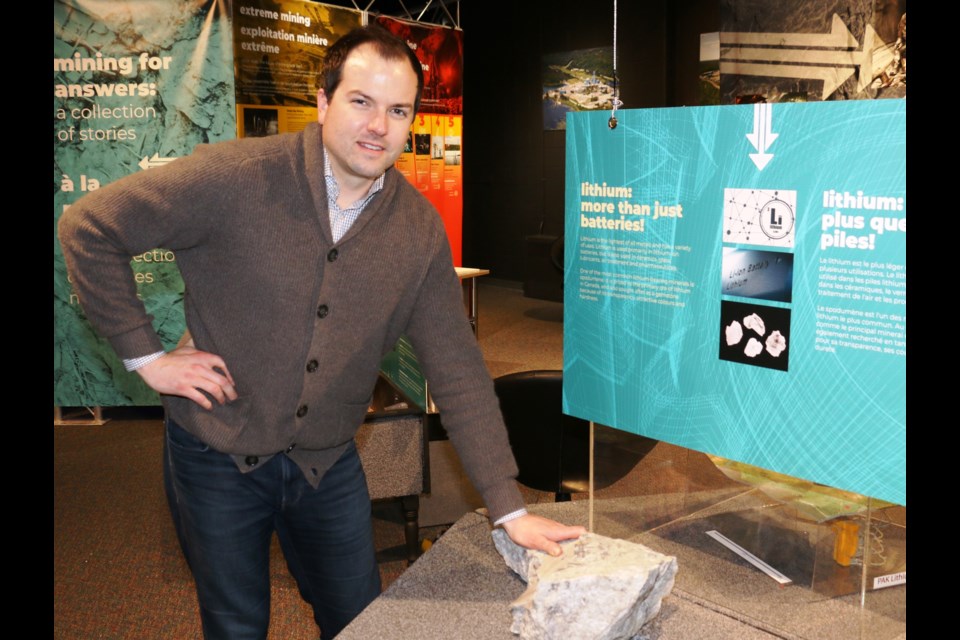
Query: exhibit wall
x=279 y=48
x=136 y=84
x=433 y=158
x=736 y=284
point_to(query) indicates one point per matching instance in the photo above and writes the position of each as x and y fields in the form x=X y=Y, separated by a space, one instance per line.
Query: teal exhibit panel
x=136 y=84
x=735 y=283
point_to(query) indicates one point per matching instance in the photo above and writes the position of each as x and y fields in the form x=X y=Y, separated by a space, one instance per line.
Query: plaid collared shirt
x=342 y=219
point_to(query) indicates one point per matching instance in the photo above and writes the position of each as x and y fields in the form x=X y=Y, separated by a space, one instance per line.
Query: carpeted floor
x=118 y=572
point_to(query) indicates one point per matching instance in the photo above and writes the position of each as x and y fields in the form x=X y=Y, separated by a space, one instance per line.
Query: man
x=304 y=257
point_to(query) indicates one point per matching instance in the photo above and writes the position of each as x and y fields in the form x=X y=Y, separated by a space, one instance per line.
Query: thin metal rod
x=590 y=508
x=615 y=101
x=867 y=546
x=443 y=5
x=425 y=7
x=405 y=10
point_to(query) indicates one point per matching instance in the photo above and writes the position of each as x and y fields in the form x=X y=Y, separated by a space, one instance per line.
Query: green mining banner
x=736 y=284
x=136 y=84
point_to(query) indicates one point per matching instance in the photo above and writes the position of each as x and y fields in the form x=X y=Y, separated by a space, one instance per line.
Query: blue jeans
x=225 y=520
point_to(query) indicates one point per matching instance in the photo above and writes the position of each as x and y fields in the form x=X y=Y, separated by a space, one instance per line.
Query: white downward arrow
x=155 y=161
x=762 y=137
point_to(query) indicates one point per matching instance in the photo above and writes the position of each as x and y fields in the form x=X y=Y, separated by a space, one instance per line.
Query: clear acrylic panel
x=781 y=554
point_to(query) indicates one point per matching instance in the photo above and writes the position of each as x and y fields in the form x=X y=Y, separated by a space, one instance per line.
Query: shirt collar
x=334 y=188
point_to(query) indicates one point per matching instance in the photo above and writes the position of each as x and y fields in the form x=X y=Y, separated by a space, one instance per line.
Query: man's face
x=365 y=122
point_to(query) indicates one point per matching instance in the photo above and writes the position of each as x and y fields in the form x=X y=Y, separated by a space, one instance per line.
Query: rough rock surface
x=599 y=589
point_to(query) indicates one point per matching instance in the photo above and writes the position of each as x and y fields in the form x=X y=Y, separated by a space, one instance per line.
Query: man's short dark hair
x=389 y=46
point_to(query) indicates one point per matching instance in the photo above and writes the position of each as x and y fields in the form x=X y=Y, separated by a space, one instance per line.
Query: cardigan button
x=302 y=410
x=251 y=461
x=312 y=366
x=323 y=311
x=291 y=447
x=333 y=255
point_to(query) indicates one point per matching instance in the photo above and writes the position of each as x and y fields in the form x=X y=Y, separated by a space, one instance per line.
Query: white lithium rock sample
x=753 y=348
x=776 y=344
x=734 y=333
x=599 y=589
x=755 y=322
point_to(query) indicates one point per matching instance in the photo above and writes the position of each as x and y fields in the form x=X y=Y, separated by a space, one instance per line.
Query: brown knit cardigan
x=302 y=322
